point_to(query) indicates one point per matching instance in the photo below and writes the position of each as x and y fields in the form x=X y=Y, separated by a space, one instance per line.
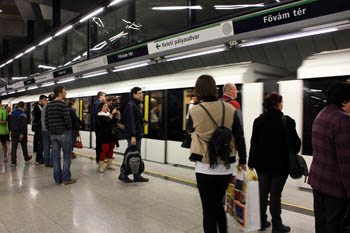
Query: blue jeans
x=47 y=148
x=61 y=141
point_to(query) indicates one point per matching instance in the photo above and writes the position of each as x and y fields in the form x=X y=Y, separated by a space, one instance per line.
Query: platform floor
x=30 y=202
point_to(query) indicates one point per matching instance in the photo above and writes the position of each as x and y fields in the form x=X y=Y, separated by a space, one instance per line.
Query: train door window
x=175 y=114
x=156 y=115
x=85 y=119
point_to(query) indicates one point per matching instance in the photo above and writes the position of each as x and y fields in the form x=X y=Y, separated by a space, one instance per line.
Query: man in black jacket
x=134 y=128
x=36 y=128
x=18 y=125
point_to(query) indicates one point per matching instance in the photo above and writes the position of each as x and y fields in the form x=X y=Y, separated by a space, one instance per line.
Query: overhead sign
x=90 y=64
x=196 y=36
x=43 y=78
x=129 y=53
x=290 y=13
x=28 y=82
x=15 y=85
x=63 y=72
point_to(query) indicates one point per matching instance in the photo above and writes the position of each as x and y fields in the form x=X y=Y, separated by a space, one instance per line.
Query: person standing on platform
x=101 y=98
x=46 y=136
x=4 y=130
x=330 y=168
x=269 y=156
x=230 y=95
x=134 y=128
x=59 y=124
x=36 y=128
x=75 y=125
x=18 y=125
x=214 y=172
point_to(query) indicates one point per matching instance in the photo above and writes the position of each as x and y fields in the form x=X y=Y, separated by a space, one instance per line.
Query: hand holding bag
x=78 y=143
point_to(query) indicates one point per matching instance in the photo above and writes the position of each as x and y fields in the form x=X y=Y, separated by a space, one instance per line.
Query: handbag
x=297 y=164
x=186 y=143
x=78 y=143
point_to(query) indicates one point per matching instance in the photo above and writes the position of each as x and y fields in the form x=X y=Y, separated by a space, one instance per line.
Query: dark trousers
x=38 y=147
x=273 y=185
x=211 y=190
x=15 y=140
x=329 y=212
x=98 y=147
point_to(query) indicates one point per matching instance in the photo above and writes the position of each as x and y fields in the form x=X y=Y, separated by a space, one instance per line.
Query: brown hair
x=271 y=101
x=205 y=87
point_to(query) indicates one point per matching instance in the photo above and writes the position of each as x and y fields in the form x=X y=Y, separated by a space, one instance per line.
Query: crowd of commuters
x=274 y=136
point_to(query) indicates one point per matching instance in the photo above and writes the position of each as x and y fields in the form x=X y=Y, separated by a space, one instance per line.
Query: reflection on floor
x=31 y=202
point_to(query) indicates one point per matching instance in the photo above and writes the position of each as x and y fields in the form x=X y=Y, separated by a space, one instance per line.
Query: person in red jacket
x=230 y=94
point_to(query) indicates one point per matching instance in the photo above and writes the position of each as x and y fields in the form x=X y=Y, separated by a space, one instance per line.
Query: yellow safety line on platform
x=184 y=180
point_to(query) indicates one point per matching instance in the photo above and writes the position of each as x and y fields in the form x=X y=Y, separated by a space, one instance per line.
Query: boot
x=100 y=167
x=109 y=165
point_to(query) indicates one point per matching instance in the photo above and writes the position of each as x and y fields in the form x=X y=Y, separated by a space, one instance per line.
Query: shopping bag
x=242 y=201
x=78 y=143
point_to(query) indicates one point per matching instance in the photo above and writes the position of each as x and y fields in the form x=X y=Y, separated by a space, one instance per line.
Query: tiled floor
x=30 y=202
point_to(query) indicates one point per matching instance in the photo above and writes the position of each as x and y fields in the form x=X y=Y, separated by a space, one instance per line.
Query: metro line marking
x=191 y=182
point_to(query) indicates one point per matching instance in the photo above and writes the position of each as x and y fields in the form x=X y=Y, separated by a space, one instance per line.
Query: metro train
x=166 y=100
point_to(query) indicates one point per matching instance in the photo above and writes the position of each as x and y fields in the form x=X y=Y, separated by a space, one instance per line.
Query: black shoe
x=280 y=229
x=125 y=179
x=140 y=179
x=71 y=181
x=267 y=224
x=29 y=158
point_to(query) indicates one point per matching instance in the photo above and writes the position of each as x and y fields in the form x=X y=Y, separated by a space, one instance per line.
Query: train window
x=155 y=115
x=315 y=99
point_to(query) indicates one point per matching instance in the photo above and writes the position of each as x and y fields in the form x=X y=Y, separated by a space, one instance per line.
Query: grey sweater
x=57 y=118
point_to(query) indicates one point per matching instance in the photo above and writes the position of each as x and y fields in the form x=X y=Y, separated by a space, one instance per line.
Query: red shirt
x=233 y=102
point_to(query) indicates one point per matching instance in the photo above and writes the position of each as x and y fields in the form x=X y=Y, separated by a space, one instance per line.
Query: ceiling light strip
x=66 y=29
x=174 y=8
x=217 y=50
x=94 y=13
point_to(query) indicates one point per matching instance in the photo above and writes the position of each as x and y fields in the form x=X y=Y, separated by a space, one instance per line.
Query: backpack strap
x=223 y=114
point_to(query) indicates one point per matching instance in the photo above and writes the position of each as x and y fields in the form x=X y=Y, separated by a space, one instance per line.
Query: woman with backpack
x=216 y=134
x=104 y=128
x=269 y=156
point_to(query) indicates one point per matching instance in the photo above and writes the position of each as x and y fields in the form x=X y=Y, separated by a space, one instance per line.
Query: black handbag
x=186 y=143
x=297 y=164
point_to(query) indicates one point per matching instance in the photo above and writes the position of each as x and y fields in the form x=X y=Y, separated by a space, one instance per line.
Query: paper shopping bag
x=243 y=203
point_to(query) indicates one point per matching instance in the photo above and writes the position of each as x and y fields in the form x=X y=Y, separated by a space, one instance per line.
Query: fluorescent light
x=3 y=65
x=129 y=67
x=77 y=58
x=94 y=74
x=66 y=80
x=64 y=30
x=217 y=50
x=175 y=8
x=46 y=67
x=29 y=50
x=289 y=36
x=19 y=55
x=46 y=40
x=11 y=92
x=4 y=93
x=68 y=63
x=234 y=7
x=21 y=90
x=96 y=12
x=47 y=84
x=0 y=11
x=32 y=87
x=114 y=3
x=99 y=46
x=9 y=61
x=18 y=78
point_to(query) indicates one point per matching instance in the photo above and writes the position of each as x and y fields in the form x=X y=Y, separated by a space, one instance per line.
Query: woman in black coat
x=269 y=156
x=104 y=127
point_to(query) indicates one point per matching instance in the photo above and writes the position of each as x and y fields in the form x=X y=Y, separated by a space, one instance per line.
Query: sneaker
x=29 y=158
x=140 y=179
x=125 y=179
x=38 y=163
x=71 y=181
x=266 y=225
x=5 y=159
x=280 y=229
